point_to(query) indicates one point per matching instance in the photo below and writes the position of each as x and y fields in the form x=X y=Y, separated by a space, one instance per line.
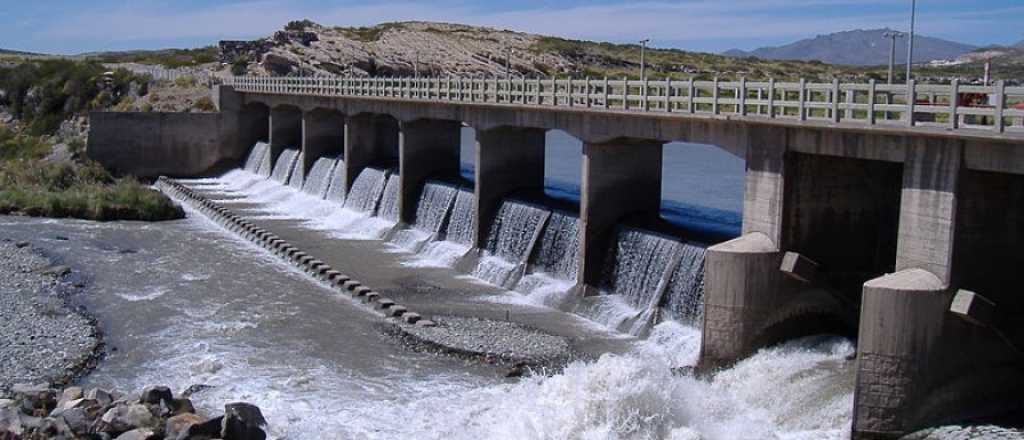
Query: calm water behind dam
x=185 y=303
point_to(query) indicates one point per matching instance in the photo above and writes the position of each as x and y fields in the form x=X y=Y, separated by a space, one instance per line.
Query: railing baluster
x=605 y=90
x=588 y=92
x=911 y=101
x=871 y=102
x=954 y=101
x=1000 y=95
x=668 y=94
x=835 y=100
x=714 y=97
x=691 y=106
x=742 y=92
x=771 y=97
x=802 y=108
x=625 y=93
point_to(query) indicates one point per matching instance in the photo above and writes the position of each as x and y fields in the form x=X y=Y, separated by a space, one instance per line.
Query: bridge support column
x=507 y=160
x=285 y=130
x=743 y=283
x=619 y=178
x=369 y=139
x=323 y=134
x=904 y=315
x=427 y=147
x=242 y=125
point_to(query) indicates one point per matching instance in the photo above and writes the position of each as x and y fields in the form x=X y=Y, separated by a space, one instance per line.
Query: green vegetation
x=368 y=34
x=205 y=104
x=169 y=58
x=44 y=93
x=299 y=25
x=29 y=186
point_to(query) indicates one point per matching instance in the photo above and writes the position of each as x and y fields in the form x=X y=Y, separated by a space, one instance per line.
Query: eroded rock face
x=125 y=417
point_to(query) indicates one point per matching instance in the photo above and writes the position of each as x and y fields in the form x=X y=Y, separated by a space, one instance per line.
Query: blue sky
x=65 y=26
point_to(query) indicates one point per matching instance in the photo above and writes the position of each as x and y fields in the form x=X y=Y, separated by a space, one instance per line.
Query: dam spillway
x=848 y=223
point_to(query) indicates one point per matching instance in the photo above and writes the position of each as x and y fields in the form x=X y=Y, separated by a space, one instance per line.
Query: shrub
x=205 y=104
x=186 y=81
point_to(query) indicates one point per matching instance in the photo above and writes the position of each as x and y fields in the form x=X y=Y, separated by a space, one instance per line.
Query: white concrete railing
x=868 y=104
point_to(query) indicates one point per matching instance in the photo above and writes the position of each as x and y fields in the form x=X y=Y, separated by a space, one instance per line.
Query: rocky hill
x=304 y=47
x=859 y=47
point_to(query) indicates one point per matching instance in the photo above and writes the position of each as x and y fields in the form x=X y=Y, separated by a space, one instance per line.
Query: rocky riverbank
x=40 y=412
x=43 y=339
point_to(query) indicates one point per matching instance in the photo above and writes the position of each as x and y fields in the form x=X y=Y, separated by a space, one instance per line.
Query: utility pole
x=508 y=63
x=643 y=66
x=416 y=66
x=892 y=35
x=910 y=43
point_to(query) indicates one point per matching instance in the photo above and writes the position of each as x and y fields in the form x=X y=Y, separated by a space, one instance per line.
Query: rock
x=138 y=434
x=57 y=271
x=61 y=238
x=243 y=421
x=182 y=406
x=278 y=64
x=69 y=394
x=123 y=418
x=156 y=394
x=60 y=153
x=193 y=389
x=36 y=399
x=180 y=424
x=54 y=428
x=21 y=244
x=10 y=421
x=208 y=429
x=78 y=419
x=101 y=396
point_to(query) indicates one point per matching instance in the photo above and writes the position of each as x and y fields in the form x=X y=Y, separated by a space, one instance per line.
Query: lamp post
x=892 y=35
x=508 y=63
x=643 y=67
x=910 y=43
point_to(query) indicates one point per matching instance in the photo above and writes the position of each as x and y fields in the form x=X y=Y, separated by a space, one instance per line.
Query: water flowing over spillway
x=684 y=299
x=513 y=233
x=389 y=200
x=556 y=250
x=456 y=238
x=366 y=190
x=432 y=209
x=460 y=223
x=297 y=178
x=284 y=166
x=320 y=176
x=259 y=154
x=336 y=189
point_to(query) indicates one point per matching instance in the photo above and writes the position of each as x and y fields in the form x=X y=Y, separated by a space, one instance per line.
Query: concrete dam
x=888 y=213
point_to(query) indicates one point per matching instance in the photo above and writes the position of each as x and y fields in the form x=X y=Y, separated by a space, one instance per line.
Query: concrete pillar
x=507 y=160
x=285 y=130
x=369 y=140
x=928 y=206
x=427 y=148
x=619 y=178
x=323 y=134
x=743 y=283
x=901 y=324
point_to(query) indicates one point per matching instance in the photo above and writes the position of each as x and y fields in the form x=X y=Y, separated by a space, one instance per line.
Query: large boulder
x=125 y=417
x=278 y=64
x=180 y=424
x=138 y=434
x=156 y=394
x=243 y=421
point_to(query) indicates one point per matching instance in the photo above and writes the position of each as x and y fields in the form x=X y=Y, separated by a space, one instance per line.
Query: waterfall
x=684 y=297
x=298 y=176
x=284 y=165
x=637 y=264
x=259 y=152
x=512 y=236
x=336 y=188
x=319 y=179
x=457 y=235
x=366 y=190
x=431 y=210
x=460 y=223
x=389 y=201
x=558 y=246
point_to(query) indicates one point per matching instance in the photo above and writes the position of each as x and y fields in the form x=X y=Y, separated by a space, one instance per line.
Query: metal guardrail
x=996 y=108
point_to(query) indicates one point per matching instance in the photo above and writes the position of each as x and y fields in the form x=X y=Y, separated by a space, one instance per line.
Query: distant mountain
x=1020 y=44
x=859 y=47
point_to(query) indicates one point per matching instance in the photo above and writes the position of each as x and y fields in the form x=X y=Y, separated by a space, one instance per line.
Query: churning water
x=285 y=164
x=435 y=202
x=513 y=234
x=319 y=179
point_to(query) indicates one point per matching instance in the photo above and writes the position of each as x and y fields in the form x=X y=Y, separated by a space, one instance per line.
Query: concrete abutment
x=428 y=148
x=285 y=130
x=369 y=140
x=323 y=135
x=508 y=159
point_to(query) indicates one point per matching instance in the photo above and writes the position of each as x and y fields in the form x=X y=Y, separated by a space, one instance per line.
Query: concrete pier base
x=323 y=134
x=619 y=178
x=428 y=148
x=507 y=160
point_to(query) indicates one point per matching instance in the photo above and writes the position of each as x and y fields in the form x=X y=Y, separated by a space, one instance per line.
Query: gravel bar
x=499 y=340
x=42 y=338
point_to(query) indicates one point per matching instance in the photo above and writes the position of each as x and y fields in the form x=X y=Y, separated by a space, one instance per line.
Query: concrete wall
x=153 y=144
x=369 y=140
x=285 y=130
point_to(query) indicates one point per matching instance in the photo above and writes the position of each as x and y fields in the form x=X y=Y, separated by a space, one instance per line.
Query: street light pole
x=508 y=63
x=893 y=35
x=643 y=66
x=910 y=44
